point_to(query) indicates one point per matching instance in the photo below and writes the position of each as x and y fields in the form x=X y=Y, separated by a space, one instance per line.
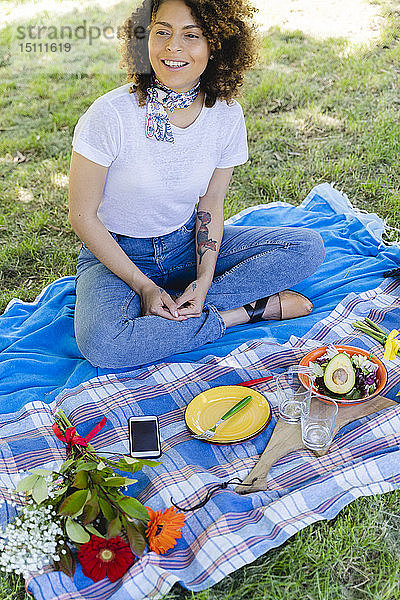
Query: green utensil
x=209 y=433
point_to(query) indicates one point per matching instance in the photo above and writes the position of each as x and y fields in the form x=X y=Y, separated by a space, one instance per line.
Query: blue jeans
x=253 y=262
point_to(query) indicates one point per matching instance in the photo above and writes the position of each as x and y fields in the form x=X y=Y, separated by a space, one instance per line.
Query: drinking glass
x=292 y=393
x=318 y=419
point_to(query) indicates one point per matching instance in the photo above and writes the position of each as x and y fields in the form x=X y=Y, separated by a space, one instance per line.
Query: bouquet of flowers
x=82 y=505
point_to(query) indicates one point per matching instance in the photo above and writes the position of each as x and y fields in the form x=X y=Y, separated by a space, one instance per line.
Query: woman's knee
x=98 y=342
x=313 y=246
x=305 y=251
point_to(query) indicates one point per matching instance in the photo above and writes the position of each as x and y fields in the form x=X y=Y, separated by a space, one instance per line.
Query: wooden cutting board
x=287 y=437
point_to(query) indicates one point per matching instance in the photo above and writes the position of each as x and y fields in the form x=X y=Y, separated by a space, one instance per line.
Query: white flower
x=31 y=541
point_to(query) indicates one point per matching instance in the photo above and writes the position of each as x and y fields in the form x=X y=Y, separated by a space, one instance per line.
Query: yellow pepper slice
x=392 y=346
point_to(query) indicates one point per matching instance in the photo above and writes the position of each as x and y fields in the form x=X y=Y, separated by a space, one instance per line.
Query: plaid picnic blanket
x=38 y=352
x=230 y=530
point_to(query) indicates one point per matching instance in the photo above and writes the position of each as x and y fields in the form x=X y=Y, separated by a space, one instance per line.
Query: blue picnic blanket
x=230 y=530
x=38 y=353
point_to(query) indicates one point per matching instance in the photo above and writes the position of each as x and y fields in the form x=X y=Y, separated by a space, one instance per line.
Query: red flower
x=164 y=528
x=105 y=558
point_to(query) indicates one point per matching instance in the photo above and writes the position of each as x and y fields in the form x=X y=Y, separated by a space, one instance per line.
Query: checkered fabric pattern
x=230 y=531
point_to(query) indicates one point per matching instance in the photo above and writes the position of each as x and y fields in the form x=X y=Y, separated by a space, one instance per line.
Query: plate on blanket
x=381 y=373
x=207 y=407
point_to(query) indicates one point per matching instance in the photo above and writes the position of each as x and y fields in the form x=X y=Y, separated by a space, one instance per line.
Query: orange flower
x=164 y=528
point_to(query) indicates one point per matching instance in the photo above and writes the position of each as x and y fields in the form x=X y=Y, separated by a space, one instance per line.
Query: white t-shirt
x=153 y=186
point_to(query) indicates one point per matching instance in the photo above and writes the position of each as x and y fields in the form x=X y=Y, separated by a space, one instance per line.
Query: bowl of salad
x=348 y=375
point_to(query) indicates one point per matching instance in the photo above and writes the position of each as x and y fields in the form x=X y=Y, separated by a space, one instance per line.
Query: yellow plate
x=207 y=407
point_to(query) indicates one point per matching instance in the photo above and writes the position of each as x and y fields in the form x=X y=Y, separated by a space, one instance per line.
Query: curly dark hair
x=232 y=37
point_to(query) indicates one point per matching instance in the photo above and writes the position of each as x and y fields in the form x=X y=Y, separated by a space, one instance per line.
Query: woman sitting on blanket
x=155 y=274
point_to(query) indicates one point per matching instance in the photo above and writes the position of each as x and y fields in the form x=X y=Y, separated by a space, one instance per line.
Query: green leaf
x=101 y=465
x=133 y=508
x=136 y=539
x=94 y=531
x=122 y=461
x=80 y=480
x=66 y=465
x=40 y=491
x=26 y=484
x=60 y=491
x=150 y=463
x=127 y=480
x=75 y=532
x=140 y=526
x=137 y=465
x=90 y=511
x=123 y=520
x=42 y=472
x=125 y=467
x=107 y=510
x=114 y=481
x=73 y=504
x=67 y=563
x=114 y=528
x=129 y=459
x=96 y=477
x=108 y=462
x=94 y=497
x=86 y=466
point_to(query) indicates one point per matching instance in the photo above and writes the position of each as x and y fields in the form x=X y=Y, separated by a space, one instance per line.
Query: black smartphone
x=144 y=437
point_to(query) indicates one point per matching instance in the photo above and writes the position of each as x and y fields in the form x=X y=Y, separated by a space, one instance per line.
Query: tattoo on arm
x=204 y=243
x=194 y=285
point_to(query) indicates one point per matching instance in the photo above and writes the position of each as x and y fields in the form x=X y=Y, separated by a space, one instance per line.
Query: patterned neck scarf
x=159 y=96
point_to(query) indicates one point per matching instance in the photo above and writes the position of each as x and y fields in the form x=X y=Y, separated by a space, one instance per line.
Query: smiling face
x=176 y=38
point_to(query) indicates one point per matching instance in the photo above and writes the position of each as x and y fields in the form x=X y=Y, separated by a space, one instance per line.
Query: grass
x=316 y=111
x=355 y=556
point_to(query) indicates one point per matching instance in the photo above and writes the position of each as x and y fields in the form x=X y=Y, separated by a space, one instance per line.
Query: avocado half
x=339 y=376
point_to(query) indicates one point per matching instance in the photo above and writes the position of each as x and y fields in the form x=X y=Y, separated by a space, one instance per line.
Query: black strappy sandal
x=256 y=312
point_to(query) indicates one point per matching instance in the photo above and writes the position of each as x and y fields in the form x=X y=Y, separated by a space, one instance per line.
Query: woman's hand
x=190 y=304
x=156 y=301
